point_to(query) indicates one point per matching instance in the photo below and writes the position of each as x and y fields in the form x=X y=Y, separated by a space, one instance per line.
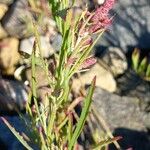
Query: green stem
x=34 y=83
x=51 y=121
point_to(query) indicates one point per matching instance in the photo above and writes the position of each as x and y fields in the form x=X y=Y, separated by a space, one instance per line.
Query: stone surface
x=120 y=111
x=13 y=94
x=9 y=55
x=115 y=59
x=3 y=33
x=16 y=19
x=100 y=1
x=40 y=77
x=97 y=2
x=104 y=79
x=42 y=84
x=7 y=138
x=136 y=140
x=130 y=84
x=131 y=25
x=6 y=1
x=124 y=117
x=56 y=42
x=3 y=9
x=26 y=46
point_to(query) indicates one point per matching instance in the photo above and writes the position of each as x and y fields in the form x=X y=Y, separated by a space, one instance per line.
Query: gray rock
x=56 y=42
x=7 y=2
x=7 y=137
x=124 y=117
x=120 y=112
x=136 y=140
x=26 y=46
x=16 y=19
x=115 y=60
x=131 y=25
x=130 y=84
x=13 y=95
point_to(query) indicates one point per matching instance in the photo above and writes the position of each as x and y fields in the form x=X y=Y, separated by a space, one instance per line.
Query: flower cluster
x=101 y=18
x=90 y=23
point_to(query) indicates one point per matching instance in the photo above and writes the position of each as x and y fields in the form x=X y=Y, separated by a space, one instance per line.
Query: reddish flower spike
x=101 y=19
x=88 y=62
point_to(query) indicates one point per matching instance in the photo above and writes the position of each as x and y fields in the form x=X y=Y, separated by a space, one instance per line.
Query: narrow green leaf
x=135 y=58
x=63 y=53
x=106 y=142
x=34 y=82
x=142 y=66
x=84 y=113
x=56 y=6
x=18 y=136
x=148 y=71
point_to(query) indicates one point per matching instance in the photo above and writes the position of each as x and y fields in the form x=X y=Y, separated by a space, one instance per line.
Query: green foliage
x=83 y=116
x=140 y=66
x=106 y=142
x=135 y=59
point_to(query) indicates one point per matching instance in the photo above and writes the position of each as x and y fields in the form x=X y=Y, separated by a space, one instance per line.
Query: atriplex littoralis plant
x=52 y=126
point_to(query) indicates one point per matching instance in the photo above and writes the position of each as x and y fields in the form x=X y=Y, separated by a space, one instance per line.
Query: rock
x=3 y=9
x=100 y=2
x=40 y=76
x=131 y=25
x=26 y=46
x=7 y=2
x=120 y=111
x=3 y=33
x=9 y=55
x=41 y=82
x=124 y=117
x=115 y=60
x=56 y=42
x=16 y=19
x=13 y=95
x=8 y=139
x=136 y=140
x=51 y=24
x=104 y=79
x=130 y=84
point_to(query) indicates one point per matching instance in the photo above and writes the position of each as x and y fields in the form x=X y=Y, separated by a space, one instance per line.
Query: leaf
x=84 y=113
x=62 y=13
x=63 y=53
x=135 y=58
x=18 y=136
x=106 y=142
x=148 y=71
x=142 y=66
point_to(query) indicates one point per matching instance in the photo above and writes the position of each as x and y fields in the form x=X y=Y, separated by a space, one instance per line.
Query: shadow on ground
x=137 y=140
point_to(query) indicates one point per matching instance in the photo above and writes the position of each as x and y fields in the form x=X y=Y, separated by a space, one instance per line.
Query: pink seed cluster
x=101 y=18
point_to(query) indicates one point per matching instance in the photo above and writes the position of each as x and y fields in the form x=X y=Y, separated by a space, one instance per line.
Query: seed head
x=101 y=18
